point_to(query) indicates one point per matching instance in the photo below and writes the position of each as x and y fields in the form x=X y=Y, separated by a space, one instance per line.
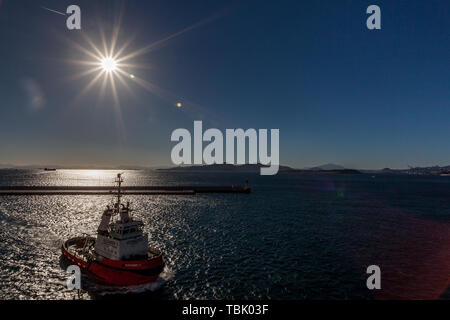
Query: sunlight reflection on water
x=294 y=237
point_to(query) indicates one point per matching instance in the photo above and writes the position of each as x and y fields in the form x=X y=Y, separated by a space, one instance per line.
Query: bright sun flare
x=109 y=64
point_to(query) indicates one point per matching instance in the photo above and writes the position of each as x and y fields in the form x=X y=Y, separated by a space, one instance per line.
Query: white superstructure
x=124 y=238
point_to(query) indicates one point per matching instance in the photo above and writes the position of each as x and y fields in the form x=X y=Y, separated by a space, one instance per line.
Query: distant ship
x=49 y=169
x=120 y=254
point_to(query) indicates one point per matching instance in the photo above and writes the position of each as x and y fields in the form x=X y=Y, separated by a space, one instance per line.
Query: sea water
x=295 y=236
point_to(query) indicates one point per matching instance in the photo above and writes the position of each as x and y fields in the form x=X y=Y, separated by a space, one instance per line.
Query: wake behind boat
x=120 y=254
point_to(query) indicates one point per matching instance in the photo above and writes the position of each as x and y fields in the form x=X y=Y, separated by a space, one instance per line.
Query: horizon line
x=143 y=167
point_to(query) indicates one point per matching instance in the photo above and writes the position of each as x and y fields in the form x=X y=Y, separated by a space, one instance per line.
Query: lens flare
x=109 y=64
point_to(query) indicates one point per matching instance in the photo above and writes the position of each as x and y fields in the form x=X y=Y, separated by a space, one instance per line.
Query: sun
x=109 y=64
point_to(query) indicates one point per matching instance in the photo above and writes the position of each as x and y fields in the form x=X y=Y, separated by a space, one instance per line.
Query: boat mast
x=119 y=181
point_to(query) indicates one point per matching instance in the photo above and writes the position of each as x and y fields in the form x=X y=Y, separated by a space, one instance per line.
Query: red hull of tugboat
x=117 y=272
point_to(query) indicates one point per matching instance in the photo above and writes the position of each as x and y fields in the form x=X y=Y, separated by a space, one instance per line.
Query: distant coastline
x=223 y=168
x=257 y=167
x=323 y=169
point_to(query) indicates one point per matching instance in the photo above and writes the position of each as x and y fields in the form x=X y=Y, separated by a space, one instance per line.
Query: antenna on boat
x=119 y=181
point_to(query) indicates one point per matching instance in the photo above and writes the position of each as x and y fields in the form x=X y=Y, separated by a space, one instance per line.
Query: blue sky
x=337 y=91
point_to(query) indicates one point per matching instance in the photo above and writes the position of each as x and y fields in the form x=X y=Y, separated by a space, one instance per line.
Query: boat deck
x=81 y=249
x=85 y=251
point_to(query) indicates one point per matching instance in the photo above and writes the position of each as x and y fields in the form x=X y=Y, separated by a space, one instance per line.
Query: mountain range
x=328 y=166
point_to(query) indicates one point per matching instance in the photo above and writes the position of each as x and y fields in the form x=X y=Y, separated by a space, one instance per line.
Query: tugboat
x=120 y=254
